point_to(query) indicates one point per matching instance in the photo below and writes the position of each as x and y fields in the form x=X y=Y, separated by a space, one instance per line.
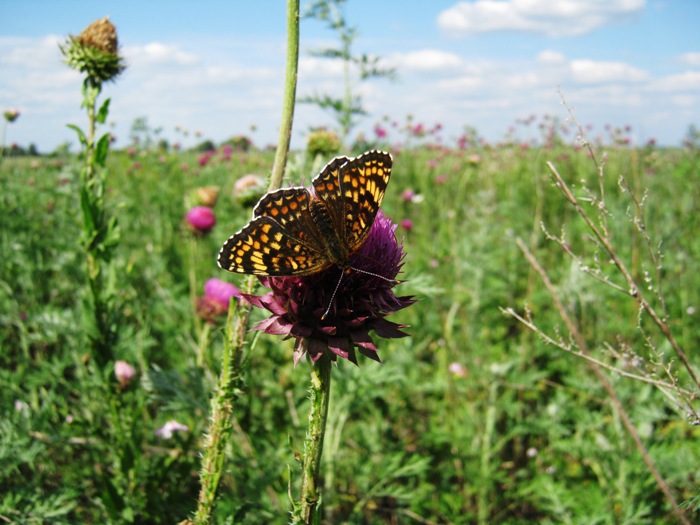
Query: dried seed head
x=95 y=52
x=102 y=35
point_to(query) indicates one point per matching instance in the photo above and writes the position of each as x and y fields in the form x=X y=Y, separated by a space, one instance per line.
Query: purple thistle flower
x=201 y=219
x=301 y=306
x=216 y=299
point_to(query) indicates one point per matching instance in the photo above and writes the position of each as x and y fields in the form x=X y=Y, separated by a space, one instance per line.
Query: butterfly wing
x=280 y=240
x=265 y=247
x=327 y=188
x=362 y=183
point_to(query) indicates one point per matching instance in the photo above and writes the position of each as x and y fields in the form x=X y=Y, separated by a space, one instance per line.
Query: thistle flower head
x=95 y=52
x=200 y=219
x=307 y=309
x=11 y=114
x=216 y=299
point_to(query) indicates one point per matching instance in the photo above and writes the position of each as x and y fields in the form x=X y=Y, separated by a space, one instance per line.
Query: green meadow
x=579 y=412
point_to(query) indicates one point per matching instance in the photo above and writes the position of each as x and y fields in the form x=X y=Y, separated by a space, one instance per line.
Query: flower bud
x=201 y=219
x=124 y=372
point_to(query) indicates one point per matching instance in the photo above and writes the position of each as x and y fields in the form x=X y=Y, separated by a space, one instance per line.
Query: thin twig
x=635 y=290
x=616 y=403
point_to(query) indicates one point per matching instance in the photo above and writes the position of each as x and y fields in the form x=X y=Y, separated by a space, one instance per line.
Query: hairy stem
x=221 y=424
x=313 y=445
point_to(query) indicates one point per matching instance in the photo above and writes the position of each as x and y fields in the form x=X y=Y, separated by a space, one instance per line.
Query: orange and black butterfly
x=296 y=232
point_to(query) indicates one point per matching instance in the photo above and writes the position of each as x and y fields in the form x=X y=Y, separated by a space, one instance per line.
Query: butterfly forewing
x=290 y=208
x=264 y=247
x=363 y=182
x=293 y=234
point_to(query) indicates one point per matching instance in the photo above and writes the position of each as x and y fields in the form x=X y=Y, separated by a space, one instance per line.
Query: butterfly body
x=295 y=232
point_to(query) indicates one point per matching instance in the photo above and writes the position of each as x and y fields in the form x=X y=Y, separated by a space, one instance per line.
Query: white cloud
x=684 y=100
x=596 y=72
x=155 y=53
x=461 y=85
x=692 y=58
x=550 y=17
x=686 y=81
x=428 y=60
x=549 y=57
x=320 y=67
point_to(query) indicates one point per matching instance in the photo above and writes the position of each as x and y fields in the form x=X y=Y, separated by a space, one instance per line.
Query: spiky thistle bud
x=95 y=52
x=11 y=115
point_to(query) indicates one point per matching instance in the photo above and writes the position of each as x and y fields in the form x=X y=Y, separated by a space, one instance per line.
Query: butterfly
x=297 y=232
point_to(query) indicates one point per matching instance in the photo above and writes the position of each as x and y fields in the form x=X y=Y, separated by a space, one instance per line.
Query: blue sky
x=217 y=66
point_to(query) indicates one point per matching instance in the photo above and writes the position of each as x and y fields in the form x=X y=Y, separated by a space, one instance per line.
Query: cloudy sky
x=218 y=66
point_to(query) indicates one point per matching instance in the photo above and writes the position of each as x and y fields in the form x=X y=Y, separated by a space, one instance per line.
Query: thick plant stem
x=313 y=445
x=220 y=427
x=290 y=93
x=221 y=423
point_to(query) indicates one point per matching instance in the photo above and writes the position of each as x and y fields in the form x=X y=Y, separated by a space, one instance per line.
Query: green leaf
x=102 y=149
x=102 y=113
x=86 y=206
x=79 y=132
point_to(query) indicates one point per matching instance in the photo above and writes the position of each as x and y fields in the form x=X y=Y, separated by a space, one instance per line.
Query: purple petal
x=273 y=325
x=387 y=329
x=363 y=339
x=315 y=348
x=339 y=346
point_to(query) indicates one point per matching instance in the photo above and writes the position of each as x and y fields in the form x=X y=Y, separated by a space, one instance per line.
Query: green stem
x=290 y=93
x=221 y=418
x=101 y=333
x=2 y=140
x=313 y=445
x=221 y=426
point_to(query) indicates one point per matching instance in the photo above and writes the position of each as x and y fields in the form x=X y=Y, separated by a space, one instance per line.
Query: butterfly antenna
x=330 y=303
x=392 y=281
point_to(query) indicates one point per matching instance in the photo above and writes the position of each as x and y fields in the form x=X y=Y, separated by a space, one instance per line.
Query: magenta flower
x=124 y=372
x=408 y=195
x=221 y=291
x=418 y=130
x=216 y=299
x=379 y=131
x=201 y=219
x=205 y=157
x=407 y=224
x=361 y=303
